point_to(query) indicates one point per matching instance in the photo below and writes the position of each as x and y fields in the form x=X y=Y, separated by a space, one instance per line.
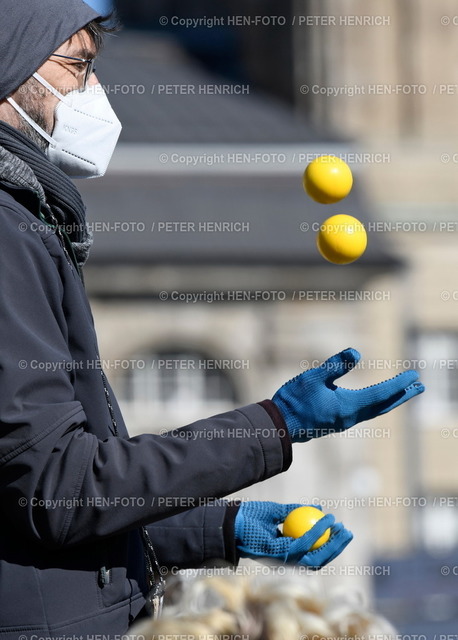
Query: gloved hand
x=257 y=536
x=313 y=406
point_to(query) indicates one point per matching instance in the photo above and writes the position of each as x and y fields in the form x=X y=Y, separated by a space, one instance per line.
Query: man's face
x=64 y=75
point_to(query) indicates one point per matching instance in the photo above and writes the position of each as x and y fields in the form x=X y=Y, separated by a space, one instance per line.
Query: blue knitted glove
x=313 y=406
x=257 y=536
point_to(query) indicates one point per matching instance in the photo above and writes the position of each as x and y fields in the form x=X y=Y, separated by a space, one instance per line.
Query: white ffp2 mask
x=85 y=132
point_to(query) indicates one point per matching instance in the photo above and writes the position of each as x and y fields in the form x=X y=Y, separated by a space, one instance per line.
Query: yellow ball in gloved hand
x=328 y=179
x=301 y=520
x=341 y=239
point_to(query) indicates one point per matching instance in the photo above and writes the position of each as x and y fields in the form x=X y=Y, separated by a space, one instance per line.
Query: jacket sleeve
x=201 y=536
x=59 y=483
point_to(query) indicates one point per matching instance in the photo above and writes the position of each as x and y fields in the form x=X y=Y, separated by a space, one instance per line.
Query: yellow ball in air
x=342 y=239
x=327 y=179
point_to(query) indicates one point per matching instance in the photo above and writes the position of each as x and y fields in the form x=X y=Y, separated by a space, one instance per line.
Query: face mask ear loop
x=32 y=123
x=48 y=86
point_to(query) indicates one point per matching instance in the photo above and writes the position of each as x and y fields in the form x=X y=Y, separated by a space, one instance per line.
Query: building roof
x=162 y=95
x=174 y=220
x=144 y=214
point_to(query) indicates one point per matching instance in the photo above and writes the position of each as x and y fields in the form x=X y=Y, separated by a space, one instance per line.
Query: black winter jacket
x=71 y=556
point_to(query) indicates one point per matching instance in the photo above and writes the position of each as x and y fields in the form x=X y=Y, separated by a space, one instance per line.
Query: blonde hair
x=273 y=607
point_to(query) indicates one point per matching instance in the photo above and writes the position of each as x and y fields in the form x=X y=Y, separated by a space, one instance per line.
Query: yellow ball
x=327 y=179
x=341 y=239
x=302 y=520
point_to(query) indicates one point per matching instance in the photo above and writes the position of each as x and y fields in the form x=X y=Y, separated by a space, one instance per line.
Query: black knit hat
x=30 y=31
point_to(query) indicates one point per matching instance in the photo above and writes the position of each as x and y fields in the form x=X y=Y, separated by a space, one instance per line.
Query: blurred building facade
x=388 y=87
x=393 y=481
x=393 y=88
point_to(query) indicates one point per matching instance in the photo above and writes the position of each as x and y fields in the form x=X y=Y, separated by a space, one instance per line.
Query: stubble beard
x=31 y=101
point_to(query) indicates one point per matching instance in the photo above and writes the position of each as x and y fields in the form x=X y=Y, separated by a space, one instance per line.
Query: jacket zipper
x=156 y=582
x=104 y=577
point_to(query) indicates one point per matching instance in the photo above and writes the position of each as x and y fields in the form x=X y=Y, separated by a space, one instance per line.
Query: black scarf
x=61 y=194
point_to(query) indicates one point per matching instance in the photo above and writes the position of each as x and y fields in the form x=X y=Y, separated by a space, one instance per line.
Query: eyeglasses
x=90 y=68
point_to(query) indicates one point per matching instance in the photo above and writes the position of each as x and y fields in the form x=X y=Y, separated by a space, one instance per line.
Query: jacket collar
x=17 y=173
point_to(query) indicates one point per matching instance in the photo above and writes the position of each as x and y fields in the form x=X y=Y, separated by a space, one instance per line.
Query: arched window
x=173 y=387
